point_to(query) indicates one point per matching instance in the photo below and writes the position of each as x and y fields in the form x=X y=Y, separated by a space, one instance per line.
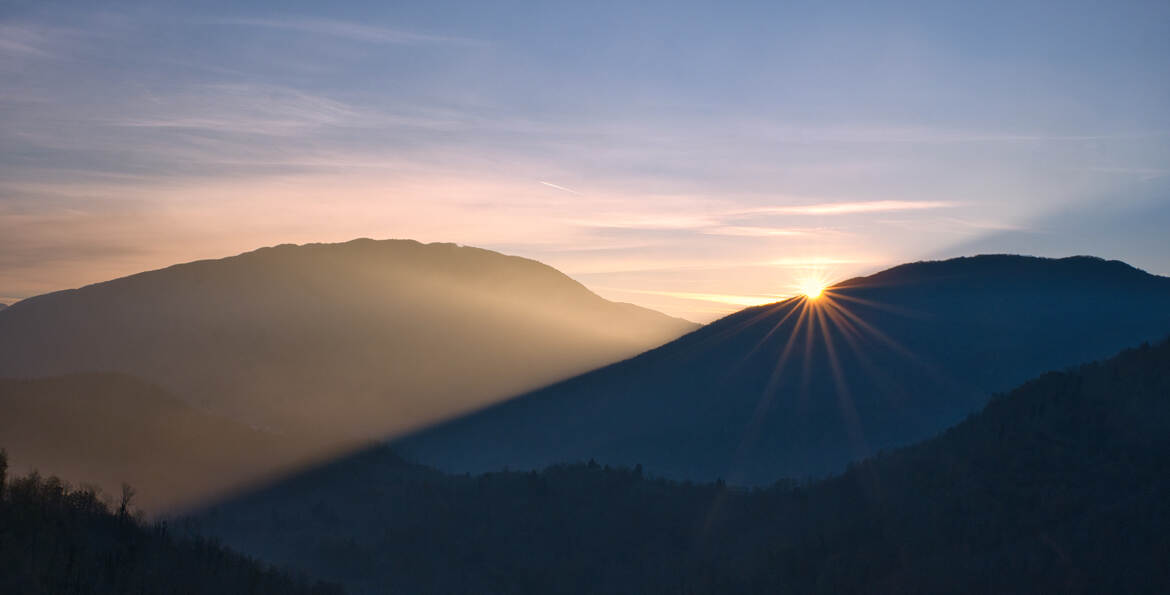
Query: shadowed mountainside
x=336 y=343
x=110 y=429
x=1058 y=487
x=803 y=386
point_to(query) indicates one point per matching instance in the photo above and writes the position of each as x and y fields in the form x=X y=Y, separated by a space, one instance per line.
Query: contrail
x=551 y=185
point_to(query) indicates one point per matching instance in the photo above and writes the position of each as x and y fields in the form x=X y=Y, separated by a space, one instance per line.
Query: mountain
x=334 y=343
x=109 y=429
x=804 y=386
x=1057 y=487
x=59 y=539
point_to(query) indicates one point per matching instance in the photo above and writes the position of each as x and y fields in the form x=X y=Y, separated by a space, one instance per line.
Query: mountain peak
x=1003 y=266
x=341 y=343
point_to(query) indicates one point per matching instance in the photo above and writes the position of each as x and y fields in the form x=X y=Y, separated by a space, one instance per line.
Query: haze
x=689 y=157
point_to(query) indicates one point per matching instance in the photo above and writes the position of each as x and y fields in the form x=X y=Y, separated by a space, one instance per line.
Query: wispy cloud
x=22 y=40
x=710 y=220
x=756 y=232
x=923 y=135
x=351 y=31
x=559 y=187
x=1143 y=173
x=798 y=262
x=676 y=221
x=719 y=298
x=240 y=108
x=849 y=208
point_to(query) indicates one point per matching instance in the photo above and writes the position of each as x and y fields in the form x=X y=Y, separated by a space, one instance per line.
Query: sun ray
x=740 y=326
x=891 y=343
x=844 y=397
x=755 y=422
x=875 y=332
x=853 y=336
x=876 y=305
x=823 y=310
x=795 y=309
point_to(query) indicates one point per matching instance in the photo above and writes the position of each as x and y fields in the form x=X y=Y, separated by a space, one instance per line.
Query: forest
x=1057 y=486
x=55 y=538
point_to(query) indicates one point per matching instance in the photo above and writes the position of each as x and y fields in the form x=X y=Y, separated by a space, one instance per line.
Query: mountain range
x=804 y=386
x=301 y=351
x=690 y=467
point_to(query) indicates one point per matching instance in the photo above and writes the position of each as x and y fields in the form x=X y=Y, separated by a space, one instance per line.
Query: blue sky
x=692 y=157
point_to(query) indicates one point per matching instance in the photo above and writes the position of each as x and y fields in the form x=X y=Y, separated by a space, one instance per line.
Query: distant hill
x=335 y=343
x=803 y=386
x=55 y=538
x=1058 y=487
x=109 y=429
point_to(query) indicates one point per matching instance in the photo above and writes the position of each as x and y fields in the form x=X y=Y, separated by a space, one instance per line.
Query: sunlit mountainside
x=804 y=386
x=105 y=429
x=323 y=346
x=1056 y=487
x=350 y=340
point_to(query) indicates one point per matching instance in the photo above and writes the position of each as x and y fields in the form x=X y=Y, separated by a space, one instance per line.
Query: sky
x=692 y=157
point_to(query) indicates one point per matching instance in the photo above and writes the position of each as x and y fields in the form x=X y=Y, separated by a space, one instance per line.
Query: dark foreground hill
x=803 y=386
x=335 y=344
x=1060 y=486
x=58 y=539
x=110 y=429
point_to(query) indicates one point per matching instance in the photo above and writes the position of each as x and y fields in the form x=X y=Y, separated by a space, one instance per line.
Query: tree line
x=56 y=538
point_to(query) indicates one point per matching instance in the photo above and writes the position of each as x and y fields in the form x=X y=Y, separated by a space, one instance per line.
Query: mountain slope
x=1058 y=487
x=804 y=386
x=336 y=343
x=110 y=429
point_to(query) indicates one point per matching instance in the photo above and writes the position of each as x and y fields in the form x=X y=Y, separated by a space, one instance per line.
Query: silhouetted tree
x=57 y=539
x=126 y=500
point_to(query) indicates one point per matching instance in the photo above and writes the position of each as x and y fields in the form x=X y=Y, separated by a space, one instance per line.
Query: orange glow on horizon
x=812 y=290
x=812 y=285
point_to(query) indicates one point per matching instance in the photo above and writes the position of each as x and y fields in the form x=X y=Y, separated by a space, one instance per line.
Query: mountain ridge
x=1084 y=262
x=885 y=361
x=358 y=242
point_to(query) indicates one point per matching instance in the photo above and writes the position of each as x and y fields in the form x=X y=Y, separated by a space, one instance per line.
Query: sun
x=812 y=289
x=811 y=284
